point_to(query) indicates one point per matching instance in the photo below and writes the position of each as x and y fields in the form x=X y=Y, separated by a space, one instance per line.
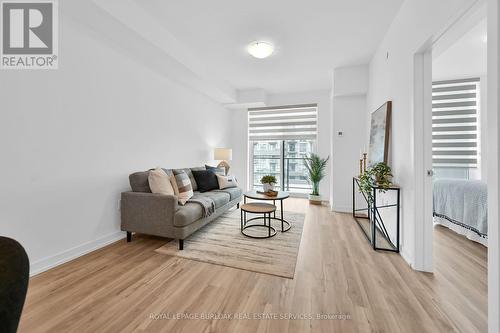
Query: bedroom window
x=279 y=139
x=455 y=125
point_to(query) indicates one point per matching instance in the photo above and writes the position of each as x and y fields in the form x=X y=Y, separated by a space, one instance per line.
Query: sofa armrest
x=147 y=212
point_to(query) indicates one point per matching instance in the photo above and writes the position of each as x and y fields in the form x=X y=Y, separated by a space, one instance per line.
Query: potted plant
x=377 y=176
x=268 y=182
x=383 y=176
x=315 y=166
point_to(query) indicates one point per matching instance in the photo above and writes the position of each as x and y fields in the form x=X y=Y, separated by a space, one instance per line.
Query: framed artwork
x=379 y=134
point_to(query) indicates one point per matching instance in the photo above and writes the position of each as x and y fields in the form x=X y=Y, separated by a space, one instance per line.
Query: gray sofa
x=161 y=215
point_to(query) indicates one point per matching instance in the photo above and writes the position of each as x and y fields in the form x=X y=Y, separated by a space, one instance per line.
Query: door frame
x=422 y=157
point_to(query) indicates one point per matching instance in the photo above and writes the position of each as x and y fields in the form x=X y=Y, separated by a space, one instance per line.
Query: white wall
x=70 y=137
x=391 y=78
x=239 y=144
x=239 y=136
x=350 y=85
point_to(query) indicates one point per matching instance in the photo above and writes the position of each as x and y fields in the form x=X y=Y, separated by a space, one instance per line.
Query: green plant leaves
x=316 y=167
x=379 y=176
x=269 y=179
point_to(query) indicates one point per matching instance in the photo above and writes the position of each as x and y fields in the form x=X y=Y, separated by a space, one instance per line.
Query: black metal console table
x=374 y=225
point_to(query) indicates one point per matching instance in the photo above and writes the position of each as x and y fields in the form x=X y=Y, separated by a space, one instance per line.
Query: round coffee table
x=257 y=208
x=285 y=225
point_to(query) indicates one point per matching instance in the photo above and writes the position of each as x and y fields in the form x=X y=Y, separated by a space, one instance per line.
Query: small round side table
x=257 y=208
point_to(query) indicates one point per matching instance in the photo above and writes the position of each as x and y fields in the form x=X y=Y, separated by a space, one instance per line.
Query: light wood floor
x=116 y=288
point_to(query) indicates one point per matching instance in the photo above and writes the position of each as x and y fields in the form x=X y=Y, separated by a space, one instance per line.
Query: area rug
x=222 y=243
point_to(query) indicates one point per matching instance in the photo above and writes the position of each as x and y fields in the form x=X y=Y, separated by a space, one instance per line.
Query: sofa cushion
x=220 y=198
x=206 y=180
x=188 y=214
x=234 y=192
x=139 y=182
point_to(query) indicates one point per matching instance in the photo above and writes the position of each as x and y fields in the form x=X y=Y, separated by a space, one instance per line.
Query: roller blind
x=455 y=123
x=283 y=123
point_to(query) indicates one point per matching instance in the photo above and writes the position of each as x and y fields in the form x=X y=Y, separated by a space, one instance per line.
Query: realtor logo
x=29 y=35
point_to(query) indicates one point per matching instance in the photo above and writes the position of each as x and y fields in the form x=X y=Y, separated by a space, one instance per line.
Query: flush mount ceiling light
x=260 y=50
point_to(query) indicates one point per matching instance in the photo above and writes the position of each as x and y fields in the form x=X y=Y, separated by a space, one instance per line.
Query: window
x=280 y=139
x=455 y=126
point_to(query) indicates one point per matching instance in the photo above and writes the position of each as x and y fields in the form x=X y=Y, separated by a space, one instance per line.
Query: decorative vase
x=268 y=187
x=315 y=199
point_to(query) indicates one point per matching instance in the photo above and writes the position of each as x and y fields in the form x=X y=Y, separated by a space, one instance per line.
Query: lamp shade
x=223 y=154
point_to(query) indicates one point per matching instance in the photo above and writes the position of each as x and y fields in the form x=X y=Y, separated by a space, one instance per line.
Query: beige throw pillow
x=159 y=182
x=226 y=181
x=182 y=186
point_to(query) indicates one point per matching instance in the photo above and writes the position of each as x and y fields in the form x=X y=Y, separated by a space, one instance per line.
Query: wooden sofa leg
x=181 y=244
x=129 y=236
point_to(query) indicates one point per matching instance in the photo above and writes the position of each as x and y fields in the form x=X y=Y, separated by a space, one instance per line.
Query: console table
x=371 y=224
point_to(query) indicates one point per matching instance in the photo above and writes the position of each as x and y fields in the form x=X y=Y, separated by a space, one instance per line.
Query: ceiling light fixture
x=260 y=50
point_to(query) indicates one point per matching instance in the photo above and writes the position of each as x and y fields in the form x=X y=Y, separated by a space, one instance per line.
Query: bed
x=461 y=205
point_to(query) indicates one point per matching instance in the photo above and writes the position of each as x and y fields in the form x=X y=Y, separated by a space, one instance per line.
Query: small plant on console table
x=315 y=166
x=377 y=176
x=268 y=182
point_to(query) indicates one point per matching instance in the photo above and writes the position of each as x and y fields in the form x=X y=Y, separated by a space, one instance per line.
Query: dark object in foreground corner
x=14 y=276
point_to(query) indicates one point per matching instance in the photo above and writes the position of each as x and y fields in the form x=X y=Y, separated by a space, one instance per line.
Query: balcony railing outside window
x=283 y=159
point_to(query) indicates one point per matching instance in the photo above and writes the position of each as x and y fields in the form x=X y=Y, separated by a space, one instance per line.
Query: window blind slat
x=454 y=120
x=454 y=88
x=453 y=96
x=455 y=123
x=453 y=104
x=453 y=128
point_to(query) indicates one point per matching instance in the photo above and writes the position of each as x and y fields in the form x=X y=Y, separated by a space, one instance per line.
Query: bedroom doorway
x=459 y=135
x=487 y=164
x=450 y=128
x=450 y=139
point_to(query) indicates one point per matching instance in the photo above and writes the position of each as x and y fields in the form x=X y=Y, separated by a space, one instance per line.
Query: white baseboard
x=342 y=209
x=50 y=262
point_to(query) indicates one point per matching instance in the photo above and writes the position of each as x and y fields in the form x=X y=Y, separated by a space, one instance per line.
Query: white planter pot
x=268 y=187
x=315 y=199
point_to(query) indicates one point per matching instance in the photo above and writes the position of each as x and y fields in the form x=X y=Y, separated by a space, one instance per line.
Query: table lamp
x=223 y=155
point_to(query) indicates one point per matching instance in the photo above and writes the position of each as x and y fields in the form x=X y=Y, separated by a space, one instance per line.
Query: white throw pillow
x=159 y=182
x=226 y=181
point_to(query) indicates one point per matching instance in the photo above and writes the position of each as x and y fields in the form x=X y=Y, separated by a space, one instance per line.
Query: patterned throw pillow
x=182 y=186
x=226 y=181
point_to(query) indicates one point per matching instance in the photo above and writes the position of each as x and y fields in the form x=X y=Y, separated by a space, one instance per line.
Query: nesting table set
x=267 y=210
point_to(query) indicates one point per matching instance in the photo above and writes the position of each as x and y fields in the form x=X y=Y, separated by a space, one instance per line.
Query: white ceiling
x=464 y=58
x=311 y=37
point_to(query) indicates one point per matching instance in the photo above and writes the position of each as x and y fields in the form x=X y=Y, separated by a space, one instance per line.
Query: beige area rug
x=222 y=243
